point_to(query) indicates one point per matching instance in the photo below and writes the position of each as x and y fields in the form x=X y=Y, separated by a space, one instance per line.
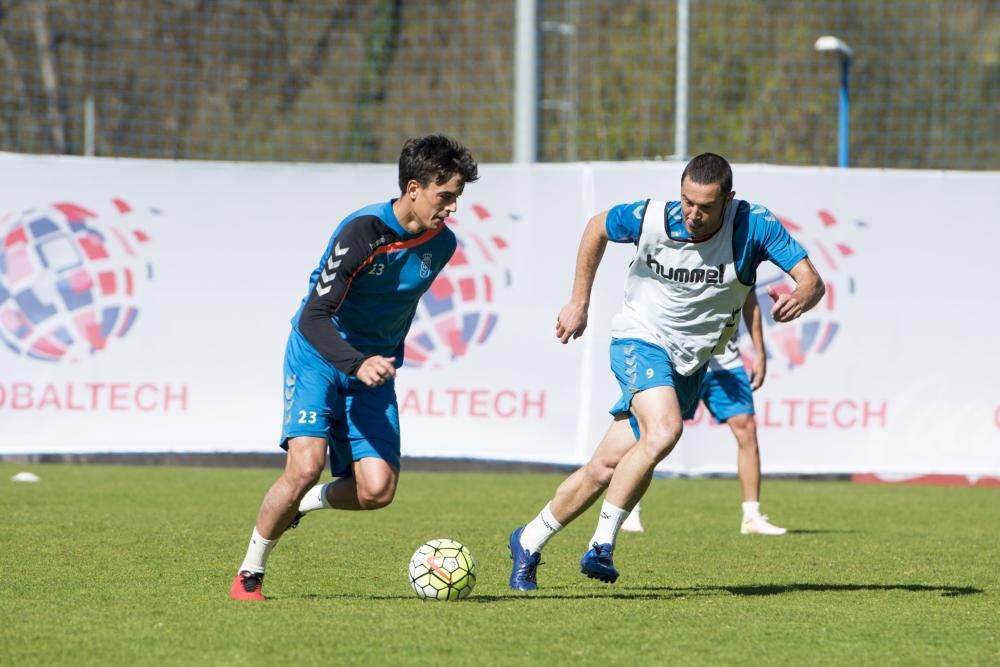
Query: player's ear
x=412 y=188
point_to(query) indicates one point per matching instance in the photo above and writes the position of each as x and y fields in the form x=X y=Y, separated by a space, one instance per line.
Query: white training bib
x=681 y=295
x=729 y=359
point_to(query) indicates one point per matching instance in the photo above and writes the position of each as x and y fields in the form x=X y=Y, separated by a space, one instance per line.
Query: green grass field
x=116 y=565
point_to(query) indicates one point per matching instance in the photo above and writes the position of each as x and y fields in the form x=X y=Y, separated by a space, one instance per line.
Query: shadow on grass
x=668 y=593
x=778 y=589
x=818 y=531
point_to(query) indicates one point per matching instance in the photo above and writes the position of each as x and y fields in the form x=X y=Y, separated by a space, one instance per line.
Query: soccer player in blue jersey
x=727 y=394
x=346 y=344
x=696 y=262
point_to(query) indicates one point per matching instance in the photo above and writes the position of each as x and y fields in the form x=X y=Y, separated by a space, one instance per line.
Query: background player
x=696 y=262
x=347 y=342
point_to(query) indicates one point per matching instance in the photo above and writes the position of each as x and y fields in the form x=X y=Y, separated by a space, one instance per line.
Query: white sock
x=637 y=510
x=315 y=499
x=257 y=553
x=751 y=511
x=539 y=530
x=608 y=525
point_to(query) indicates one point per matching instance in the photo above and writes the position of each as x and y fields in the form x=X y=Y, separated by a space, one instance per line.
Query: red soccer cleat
x=246 y=586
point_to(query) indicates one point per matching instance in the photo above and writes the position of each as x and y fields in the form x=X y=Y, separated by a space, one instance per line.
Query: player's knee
x=375 y=494
x=599 y=471
x=370 y=499
x=659 y=440
x=305 y=463
x=303 y=478
x=302 y=473
x=744 y=428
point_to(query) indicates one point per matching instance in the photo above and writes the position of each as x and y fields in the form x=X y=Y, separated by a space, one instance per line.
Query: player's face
x=703 y=206
x=434 y=203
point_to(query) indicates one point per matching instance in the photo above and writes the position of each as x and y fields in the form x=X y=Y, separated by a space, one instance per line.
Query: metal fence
x=329 y=80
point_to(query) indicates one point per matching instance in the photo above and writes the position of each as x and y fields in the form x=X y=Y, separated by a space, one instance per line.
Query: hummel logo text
x=712 y=276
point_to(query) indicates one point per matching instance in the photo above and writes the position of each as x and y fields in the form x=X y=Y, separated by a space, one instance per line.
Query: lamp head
x=835 y=44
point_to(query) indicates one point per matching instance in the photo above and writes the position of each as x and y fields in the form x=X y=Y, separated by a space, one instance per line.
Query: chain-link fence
x=341 y=80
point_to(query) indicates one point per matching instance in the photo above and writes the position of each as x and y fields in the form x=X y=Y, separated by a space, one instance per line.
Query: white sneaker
x=759 y=525
x=633 y=523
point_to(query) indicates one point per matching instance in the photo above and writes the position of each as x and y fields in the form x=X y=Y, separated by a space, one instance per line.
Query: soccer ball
x=442 y=569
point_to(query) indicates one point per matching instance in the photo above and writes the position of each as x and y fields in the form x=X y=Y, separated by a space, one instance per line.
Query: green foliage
x=341 y=80
x=116 y=565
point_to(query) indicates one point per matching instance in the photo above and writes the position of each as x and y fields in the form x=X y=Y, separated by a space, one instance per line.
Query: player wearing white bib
x=696 y=261
x=727 y=394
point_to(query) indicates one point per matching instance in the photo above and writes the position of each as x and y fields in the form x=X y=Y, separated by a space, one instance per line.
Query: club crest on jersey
x=712 y=276
x=425 y=265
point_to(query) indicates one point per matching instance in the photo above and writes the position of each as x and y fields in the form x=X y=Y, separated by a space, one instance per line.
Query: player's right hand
x=757 y=372
x=571 y=322
x=377 y=370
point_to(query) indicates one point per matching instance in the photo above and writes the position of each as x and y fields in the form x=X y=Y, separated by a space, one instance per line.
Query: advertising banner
x=144 y=307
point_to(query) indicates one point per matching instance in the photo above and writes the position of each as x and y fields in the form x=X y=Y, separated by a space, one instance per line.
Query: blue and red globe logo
x=459 y=312
x=69 y=279
x=791 y=344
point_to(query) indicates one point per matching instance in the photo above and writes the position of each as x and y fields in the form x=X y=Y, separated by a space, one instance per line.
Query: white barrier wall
x=144 y=307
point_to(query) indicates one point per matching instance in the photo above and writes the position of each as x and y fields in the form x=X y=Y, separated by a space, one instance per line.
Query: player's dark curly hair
x=435 y=157
x=709 y=168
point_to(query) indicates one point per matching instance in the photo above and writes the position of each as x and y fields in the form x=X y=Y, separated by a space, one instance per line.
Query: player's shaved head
x=436 y=158
x=710 y=169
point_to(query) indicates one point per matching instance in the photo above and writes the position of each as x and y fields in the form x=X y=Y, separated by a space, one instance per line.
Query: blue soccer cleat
x=525 y=569
x=597 y=563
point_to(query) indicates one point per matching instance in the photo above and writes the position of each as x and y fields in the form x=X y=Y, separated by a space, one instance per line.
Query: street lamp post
x=838 y=46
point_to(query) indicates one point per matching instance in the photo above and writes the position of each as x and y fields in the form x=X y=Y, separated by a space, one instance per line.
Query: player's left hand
x=377 y=370
x=786 y=306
